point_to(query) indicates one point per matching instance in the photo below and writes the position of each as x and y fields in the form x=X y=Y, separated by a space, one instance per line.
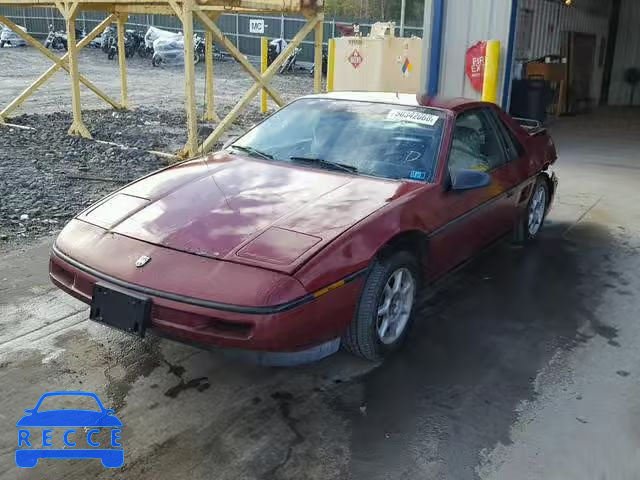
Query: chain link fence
x=235 y=26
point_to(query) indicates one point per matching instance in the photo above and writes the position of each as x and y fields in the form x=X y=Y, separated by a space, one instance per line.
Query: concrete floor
x=524 y=365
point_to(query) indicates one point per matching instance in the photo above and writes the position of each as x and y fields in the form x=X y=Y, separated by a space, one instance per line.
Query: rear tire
x=533 y=218
x=367 y=336
x=156 y=60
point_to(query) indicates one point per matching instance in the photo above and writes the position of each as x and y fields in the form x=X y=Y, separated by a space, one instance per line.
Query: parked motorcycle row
x=290 y=65
x=161 y=46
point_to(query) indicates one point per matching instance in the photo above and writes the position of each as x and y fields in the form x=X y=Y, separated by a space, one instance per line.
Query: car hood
x=243 y=210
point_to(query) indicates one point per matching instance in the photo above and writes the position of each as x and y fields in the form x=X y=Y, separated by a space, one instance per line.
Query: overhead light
x=568 y=3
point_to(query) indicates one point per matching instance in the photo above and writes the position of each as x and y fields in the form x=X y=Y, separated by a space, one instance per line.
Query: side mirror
x=28 y=410
x=469 y=179
x=109 y=411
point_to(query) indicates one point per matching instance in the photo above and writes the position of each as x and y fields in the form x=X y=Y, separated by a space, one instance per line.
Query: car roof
x=453 y=104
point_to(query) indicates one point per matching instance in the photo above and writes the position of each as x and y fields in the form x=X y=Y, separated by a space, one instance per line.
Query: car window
x=475 y=145
x=69 y=402
x=512 y=145
x=377 y=139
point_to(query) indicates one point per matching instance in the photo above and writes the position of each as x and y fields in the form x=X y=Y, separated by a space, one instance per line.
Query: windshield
x=377 y=139
x=65 y=402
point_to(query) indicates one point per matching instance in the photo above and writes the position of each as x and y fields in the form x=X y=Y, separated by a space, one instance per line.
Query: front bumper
x=309 y=326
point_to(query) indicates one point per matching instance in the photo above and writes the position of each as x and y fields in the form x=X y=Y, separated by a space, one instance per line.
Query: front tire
x=533 y=219
x=385 y=310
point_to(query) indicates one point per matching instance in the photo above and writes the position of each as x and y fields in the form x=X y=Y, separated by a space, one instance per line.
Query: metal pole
x=403 y=8
x=491 y=72
x=331 y=64
x=237 y=32
x=264 y=64
x=434 y=17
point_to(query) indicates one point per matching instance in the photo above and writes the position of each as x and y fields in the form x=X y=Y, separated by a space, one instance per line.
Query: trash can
x=530 y=98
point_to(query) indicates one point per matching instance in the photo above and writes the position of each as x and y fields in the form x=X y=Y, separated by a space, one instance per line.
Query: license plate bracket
x=121 y=309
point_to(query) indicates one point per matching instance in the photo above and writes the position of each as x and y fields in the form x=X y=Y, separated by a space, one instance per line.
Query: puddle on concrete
x=122 y=358
x=472 y=357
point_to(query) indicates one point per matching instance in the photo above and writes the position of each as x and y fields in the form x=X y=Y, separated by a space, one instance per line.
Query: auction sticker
x=412 y=116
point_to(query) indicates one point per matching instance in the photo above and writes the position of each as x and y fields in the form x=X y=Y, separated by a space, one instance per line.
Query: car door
x=517 y=162
x=474 y=218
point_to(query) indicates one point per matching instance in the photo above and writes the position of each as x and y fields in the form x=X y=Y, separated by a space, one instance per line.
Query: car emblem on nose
x=142 y=261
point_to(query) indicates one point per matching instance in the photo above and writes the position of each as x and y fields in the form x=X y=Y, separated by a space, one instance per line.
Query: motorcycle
x=275 y=47
x=325 y=63
x=171 y=51
x=289 y=64
x=9 y=37
x=132 y=42
x=57 y=40
x=220 y=55
x=146 y=47
x=107 y=39
x=199 y=47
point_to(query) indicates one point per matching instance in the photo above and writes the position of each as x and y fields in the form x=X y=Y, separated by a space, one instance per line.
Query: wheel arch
x=551 y=187
x=412 y=241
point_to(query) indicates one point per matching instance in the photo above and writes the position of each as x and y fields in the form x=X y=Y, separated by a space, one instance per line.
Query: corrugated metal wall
x=465 y=23
x=551 y=19
x=627 y=53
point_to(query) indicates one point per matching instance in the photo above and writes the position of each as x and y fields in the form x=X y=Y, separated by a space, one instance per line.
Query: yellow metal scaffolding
x=187 y=11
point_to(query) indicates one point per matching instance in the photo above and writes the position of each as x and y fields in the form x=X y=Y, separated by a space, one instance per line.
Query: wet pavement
x=523 y=365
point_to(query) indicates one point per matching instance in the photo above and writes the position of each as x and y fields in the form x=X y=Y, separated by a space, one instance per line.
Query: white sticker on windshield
x=413 y=116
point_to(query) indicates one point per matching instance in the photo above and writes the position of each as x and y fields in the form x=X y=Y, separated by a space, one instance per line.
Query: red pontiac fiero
x=316 y=228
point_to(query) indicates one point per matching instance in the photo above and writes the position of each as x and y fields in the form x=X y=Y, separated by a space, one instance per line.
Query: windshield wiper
x=253 y=151
x=326 y=163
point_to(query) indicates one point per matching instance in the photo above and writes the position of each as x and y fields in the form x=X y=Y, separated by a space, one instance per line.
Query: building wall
x=627 y=53
x=469 y=21
x=465 y=23
x=548 y=22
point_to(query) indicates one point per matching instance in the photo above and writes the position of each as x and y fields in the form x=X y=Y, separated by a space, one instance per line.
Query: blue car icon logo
x=44 y=433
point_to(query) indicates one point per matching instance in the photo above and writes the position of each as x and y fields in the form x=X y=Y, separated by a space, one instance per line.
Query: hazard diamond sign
x=356 y=59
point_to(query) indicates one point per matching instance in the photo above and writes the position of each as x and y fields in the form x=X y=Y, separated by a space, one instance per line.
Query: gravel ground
x=48 y=176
